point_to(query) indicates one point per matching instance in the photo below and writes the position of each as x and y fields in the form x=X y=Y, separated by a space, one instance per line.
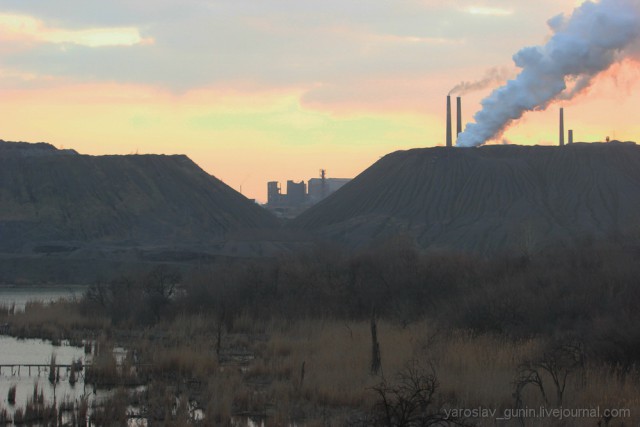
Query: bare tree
x=159 y=287
x=411 y=401
x=558 y=363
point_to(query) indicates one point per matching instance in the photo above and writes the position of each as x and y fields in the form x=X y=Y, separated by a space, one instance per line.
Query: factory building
x=301 y=195
x=321 y=188
x=296 y=193
x=274 y=196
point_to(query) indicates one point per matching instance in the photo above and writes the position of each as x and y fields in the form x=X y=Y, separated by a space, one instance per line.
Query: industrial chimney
x=459 y=117
x=561 y=127
x=570 y=136
x=449 y=136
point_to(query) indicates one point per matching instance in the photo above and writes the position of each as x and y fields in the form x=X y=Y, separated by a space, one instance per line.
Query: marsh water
x=16 y=355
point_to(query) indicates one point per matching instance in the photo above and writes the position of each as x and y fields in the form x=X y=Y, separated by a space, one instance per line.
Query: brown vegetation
x=58 y=321
x=11 y=395
x=293 y=339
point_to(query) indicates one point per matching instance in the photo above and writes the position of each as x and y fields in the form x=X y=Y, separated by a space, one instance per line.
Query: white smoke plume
x=577 y=85
x=583 y=45
x=491 y=77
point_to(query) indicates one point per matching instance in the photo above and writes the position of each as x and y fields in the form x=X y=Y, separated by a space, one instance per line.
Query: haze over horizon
x=276 y=90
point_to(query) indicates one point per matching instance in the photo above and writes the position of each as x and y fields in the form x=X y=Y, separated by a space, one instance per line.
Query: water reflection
x=16 y=355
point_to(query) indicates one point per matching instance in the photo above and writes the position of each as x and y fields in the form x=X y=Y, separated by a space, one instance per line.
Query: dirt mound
x=49 y=195
x=493 y=198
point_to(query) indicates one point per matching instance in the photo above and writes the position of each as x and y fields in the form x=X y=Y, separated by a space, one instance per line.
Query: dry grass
x=7 y=310
x=104 y=367
x=472 y=370
x=336 y=356
x=5 y=418
x=225 y=390
x=183 y=362
x=183 y=329
x=185 y=351
x=478 y=369
x=55 y=321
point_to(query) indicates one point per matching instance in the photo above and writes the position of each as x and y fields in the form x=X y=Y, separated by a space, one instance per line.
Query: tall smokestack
x=449 y=137
x=583 y=45
x=570 y=136
x=561 y=127
x=459 y=117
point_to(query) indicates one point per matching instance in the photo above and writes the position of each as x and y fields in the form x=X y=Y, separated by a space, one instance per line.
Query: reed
x=11 y=395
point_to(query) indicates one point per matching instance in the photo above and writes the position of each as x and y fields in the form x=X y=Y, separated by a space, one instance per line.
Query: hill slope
x=49 y=195
x=491 y=198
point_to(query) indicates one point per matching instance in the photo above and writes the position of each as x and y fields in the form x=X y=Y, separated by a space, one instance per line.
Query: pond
x=24 y=365
x=16 y=356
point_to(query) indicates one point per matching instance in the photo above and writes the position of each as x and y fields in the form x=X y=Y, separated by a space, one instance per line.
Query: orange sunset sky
x=255 y=91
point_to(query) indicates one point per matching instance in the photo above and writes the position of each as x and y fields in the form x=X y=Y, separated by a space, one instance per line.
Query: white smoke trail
x=578 y=85
x=491 y=77
x=582 y=46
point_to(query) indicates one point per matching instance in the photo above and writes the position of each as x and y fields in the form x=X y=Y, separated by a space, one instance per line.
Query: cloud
x=488 y=11
x=394 y=38
x=326 y=49
x=16 y=27
x=99 y=37
x=211 y=50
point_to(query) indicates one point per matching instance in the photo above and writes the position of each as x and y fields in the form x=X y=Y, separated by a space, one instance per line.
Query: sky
x=271 y=90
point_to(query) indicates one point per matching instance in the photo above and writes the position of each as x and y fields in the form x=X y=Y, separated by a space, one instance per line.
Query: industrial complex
x=301 y=195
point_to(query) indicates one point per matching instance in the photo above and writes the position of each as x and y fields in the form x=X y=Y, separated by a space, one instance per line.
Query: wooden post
x=375 y=345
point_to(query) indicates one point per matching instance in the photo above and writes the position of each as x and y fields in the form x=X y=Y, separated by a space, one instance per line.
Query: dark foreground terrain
x=388 y=336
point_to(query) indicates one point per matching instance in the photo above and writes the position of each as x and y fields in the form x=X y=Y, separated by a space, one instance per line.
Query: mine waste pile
x=49 y=197
x=488 y=199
